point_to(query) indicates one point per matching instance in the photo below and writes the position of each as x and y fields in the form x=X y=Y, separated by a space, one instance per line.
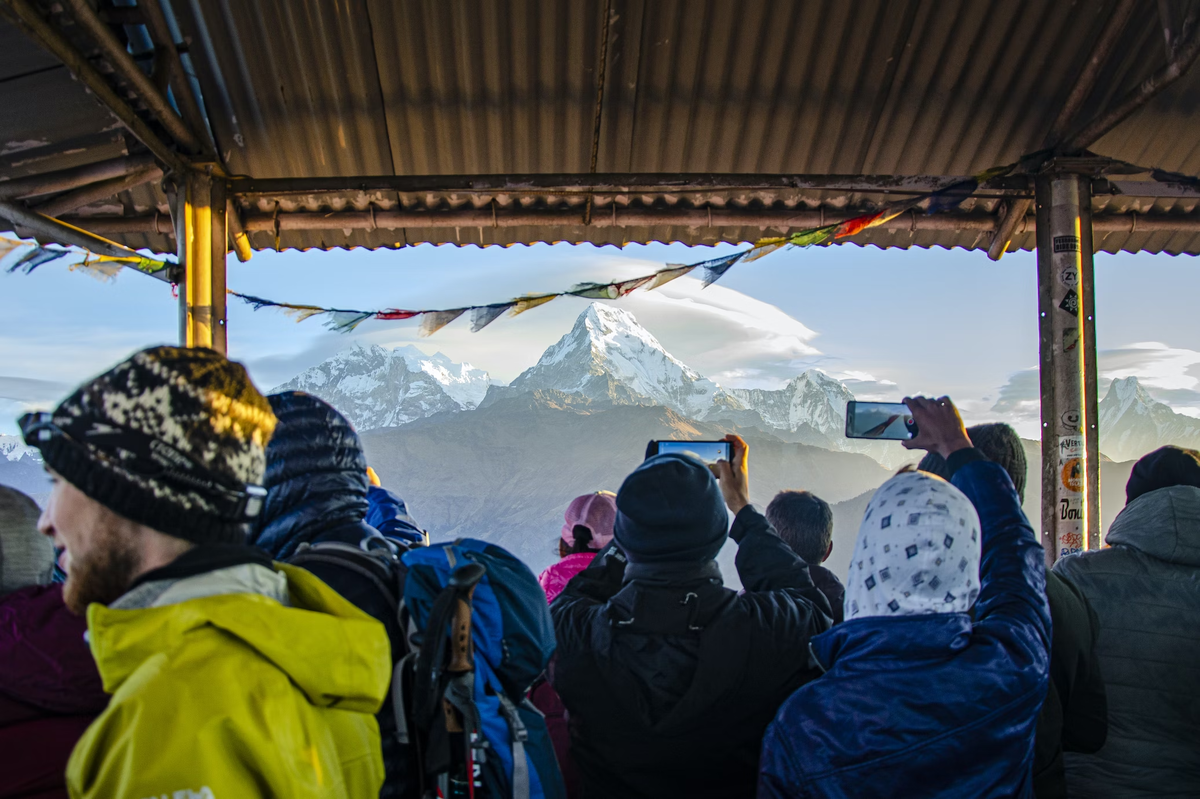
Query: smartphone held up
x=708 y=452
x=883 y=421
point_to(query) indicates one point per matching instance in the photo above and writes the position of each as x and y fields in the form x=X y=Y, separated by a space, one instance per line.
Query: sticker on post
x=1070 y=447
x=1069 y=277
x=1072 y=421
x=1070 y=510
x=1066 y=244
x=1072 y=475
x=1070 y=303
x=1069 y=543
x=1070 y=339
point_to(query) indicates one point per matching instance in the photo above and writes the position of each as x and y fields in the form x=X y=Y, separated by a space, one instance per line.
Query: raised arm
x=764 y=562
x=1012 y=571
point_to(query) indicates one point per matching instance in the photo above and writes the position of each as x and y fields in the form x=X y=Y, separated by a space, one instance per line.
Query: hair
x=805 y=523
x=999 y=443
x=583 y=541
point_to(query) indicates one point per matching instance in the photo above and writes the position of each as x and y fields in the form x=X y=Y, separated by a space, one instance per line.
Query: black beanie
x=999 y=443
x=1164 y=467
x=671 y=510
x=173 y=438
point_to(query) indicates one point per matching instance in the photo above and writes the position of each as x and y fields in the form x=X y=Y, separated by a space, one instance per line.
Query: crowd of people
x=211 y=604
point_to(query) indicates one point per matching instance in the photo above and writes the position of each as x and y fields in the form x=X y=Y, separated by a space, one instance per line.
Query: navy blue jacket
x=929 y=706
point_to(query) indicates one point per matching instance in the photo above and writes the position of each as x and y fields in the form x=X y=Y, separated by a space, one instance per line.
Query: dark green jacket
x=1074 y=717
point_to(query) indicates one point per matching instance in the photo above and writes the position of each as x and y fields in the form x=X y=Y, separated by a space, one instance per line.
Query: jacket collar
x=673 y=573
x=336 y=654
x=886 y=640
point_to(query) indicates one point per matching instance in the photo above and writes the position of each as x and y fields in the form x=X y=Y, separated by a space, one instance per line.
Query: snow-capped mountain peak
x=607 y=355
x=374 y=387
x=12 y=448
x=1133 y=423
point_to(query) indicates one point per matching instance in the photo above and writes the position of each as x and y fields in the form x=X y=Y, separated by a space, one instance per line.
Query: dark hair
x=583 y=541
x=805 y=523
x=999 y=443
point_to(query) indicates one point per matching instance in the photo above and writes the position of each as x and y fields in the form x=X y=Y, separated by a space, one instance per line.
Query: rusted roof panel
x=297 y=88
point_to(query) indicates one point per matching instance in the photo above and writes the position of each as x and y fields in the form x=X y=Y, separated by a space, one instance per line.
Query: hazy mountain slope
x=813 y=406
x=1133 y=423
x=373 y=387
x=506 y=472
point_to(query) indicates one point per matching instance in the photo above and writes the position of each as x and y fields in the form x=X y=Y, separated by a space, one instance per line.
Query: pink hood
x=555 y=578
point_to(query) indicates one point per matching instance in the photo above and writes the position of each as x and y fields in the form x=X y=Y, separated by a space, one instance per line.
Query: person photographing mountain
x=942 y=663
x=671 y=678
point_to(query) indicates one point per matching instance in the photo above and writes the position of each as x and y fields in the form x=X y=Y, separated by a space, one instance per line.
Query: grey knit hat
x=26 y=556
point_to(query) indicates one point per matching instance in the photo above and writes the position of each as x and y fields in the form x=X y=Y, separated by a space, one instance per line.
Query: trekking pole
x=462 y=718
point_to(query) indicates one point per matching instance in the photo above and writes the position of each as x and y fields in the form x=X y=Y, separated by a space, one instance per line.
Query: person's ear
x=828 y=552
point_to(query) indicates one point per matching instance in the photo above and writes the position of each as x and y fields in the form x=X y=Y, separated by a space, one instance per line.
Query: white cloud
x=1170 y=374
x=722 y=333
x=1154 y=364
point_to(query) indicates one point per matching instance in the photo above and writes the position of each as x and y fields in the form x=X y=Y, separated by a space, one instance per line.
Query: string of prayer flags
x=712 y=270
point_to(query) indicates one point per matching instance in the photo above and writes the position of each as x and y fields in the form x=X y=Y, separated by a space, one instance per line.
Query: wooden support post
x=202 y=248
x=1070 y=452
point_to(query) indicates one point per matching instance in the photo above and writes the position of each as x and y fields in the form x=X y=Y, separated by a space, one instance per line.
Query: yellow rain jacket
x=236 y=695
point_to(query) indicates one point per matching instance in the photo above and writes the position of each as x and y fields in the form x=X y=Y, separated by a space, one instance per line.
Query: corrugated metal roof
x=297 y=88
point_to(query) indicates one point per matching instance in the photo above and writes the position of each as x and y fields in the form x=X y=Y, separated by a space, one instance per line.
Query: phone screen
x=706 y=451
x=882 y=420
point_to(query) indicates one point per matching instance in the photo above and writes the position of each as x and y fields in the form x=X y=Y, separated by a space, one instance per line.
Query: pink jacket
x=555 y=578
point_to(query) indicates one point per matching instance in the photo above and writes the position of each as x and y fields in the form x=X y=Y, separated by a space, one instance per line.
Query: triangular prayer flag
x=483 y=316
x=626 y=286
x=395 y=314
x=35 y=258
x=104 y=271
x=345 y=321
x=595 y=291
x=667 y=275
x=763 y=249
x=807 y=238
x=302 y=312
x=952 y=196
x=8 y=245
x=857 y=225
x=433 y=321
x=527 y=303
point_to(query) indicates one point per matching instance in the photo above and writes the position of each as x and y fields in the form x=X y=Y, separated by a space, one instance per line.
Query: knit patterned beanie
x=173 y=438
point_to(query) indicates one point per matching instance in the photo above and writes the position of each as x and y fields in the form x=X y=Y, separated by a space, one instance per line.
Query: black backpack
x=377 y=575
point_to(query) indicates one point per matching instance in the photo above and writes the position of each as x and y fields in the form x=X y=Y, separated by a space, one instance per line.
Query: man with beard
x=230 y=675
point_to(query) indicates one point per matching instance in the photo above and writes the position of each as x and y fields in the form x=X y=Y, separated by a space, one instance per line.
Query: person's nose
x=44 y=525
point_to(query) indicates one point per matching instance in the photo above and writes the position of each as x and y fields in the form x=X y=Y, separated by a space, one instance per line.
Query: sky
x=888 y=322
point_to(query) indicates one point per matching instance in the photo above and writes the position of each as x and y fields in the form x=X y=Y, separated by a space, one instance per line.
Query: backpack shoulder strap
x=374 y=568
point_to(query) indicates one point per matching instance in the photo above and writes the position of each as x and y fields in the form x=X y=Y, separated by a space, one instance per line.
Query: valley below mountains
x=501 y=462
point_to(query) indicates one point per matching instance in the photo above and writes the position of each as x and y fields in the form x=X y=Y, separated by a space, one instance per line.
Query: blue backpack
x=480 y=634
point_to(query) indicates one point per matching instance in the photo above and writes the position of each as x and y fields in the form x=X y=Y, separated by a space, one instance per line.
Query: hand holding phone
x=942 y=428
x=733 y=474
x=884 y=421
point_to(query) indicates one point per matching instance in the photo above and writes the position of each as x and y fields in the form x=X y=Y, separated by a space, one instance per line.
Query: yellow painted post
x=203 y=254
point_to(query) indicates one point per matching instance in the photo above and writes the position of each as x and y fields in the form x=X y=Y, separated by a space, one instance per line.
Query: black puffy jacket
x=670 y=682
